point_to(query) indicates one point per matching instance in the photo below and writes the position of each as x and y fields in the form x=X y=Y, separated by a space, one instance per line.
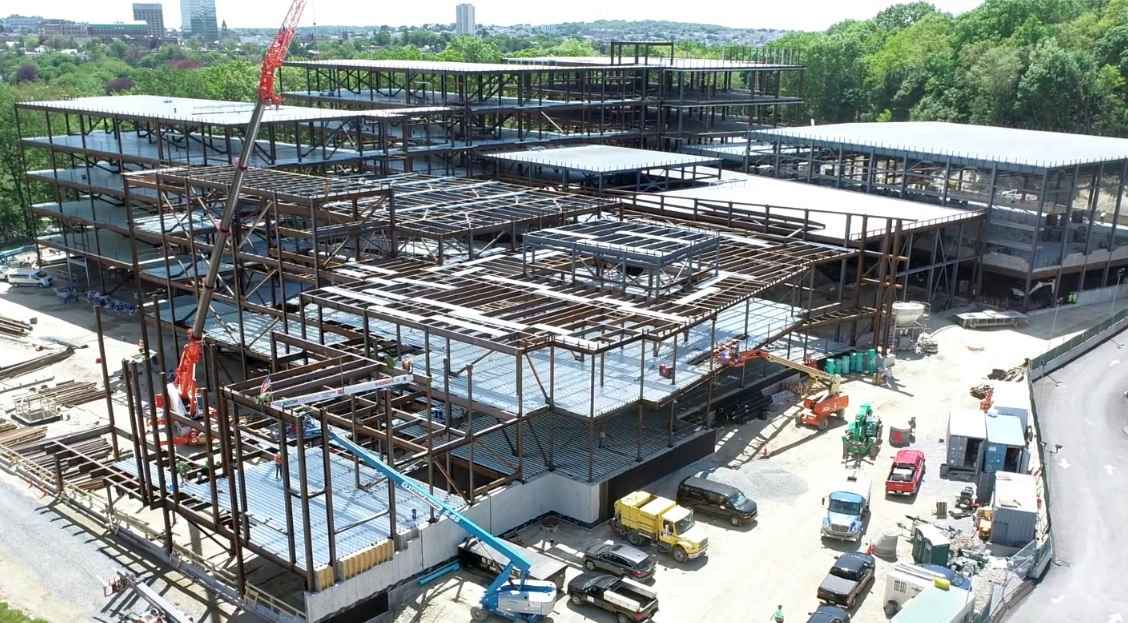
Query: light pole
x=1116 y=292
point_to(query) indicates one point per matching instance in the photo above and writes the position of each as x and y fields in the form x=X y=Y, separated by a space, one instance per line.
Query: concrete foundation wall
x=436 y=543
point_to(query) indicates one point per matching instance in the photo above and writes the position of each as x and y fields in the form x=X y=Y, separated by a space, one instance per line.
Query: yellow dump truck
x=646 y=518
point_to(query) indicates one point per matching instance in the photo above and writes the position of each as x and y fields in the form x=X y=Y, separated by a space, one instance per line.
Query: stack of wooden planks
x=11 y=326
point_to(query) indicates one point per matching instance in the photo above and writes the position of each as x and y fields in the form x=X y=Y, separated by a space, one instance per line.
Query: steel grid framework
x=1046 y=220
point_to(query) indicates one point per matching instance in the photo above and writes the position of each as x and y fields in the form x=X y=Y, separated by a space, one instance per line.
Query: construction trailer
x=1015 y=508
x=1053 y=201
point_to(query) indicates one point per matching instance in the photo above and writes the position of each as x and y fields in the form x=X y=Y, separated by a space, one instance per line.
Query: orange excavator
x=822 y=392
x=183 y=391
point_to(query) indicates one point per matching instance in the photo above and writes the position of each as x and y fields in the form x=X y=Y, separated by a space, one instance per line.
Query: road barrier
x=1077 y=345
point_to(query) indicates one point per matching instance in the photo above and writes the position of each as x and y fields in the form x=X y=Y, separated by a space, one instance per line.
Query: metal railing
x=1075 y=346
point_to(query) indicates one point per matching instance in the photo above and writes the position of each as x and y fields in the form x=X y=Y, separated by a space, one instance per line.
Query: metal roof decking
x=433 y=66
x=978 y=145
x=175 y=110
x=359 y=515
x=603 y=159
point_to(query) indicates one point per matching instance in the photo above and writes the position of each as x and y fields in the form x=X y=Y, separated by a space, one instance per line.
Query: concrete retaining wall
x=500 y=512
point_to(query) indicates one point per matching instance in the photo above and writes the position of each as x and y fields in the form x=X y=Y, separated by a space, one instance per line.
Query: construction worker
x=277 y=465
x=777 y=616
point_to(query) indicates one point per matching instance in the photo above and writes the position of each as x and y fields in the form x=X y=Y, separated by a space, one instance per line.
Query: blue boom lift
x=512 y=598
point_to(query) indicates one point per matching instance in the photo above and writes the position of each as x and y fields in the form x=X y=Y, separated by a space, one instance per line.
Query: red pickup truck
x=906 y=473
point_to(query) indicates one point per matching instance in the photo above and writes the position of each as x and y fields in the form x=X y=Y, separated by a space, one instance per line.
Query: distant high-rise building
x=198 y=18
x=152 y=14
x=464 y=19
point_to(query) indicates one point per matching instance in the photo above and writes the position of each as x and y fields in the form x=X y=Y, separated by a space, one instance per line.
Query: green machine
x=863 y=435
x=931 y=546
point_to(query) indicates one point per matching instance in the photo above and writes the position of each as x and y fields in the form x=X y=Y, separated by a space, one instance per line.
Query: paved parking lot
x=782 y=559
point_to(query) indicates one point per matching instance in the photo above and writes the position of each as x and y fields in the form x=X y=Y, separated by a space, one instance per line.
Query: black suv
x=829 y=614
x=623 y=560
x=716 y=498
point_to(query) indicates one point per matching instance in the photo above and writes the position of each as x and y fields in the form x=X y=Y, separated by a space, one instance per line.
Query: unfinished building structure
x=652 y=101
x=521 y=351
x=1055 y=225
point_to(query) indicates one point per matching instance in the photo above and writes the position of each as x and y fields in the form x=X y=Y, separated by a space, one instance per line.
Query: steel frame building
x=649 y=101
x=552 y=338
x=1053 y=201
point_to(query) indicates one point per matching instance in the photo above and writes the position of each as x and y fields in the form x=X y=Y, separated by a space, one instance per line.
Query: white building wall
x=500 y=512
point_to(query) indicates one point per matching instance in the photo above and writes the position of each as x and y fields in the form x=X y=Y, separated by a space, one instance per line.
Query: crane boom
x=272 y=61
x=730 y=355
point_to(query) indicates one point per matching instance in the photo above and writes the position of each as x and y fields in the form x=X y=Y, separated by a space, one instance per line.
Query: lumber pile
x=11 y=326
x=22 y=436
x=66 y=393
x=35 y=363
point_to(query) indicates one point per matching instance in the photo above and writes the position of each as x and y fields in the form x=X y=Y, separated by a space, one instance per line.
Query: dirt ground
x=782 y=559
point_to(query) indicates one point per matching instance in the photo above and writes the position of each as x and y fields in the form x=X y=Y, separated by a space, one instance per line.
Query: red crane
x=271 y=62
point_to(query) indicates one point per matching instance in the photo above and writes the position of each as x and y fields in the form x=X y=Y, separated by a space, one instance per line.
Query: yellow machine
x=646 y=518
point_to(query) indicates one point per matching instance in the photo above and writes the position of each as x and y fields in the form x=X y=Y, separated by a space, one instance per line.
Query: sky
x=788 y=15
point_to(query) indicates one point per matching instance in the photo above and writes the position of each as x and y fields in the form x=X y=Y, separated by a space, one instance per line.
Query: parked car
x=716 y=498
x=849 y=579
x=626 y=599
x=906 y=473
x=829 y=614
x=28 y=277
x=619 y=559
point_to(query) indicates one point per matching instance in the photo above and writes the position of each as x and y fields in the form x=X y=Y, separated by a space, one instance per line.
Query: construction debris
x=35 y=363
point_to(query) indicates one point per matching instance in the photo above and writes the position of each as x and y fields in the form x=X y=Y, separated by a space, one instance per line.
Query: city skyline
x=796 y=15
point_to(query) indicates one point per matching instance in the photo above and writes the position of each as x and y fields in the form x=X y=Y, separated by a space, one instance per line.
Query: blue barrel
x=829 y=366
x=844 y=365
x=871 y=360
x=856 y=362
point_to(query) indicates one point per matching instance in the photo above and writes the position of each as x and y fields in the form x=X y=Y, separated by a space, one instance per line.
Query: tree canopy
x=1043 y=64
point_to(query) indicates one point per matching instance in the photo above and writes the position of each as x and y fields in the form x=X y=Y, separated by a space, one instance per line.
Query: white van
x=28 y=277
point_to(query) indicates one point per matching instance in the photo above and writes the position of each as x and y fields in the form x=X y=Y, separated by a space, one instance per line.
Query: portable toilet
x=1015 y=506
x=931 y=546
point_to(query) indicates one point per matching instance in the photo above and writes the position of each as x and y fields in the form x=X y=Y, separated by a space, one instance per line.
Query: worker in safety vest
x=777 y=616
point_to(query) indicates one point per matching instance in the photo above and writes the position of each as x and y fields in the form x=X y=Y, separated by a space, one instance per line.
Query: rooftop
x=603 y=159
x=434 y=66
x=963 y=143
x=837 y=213
x=656 y=61
x=1015 y=491
x=185 y=110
